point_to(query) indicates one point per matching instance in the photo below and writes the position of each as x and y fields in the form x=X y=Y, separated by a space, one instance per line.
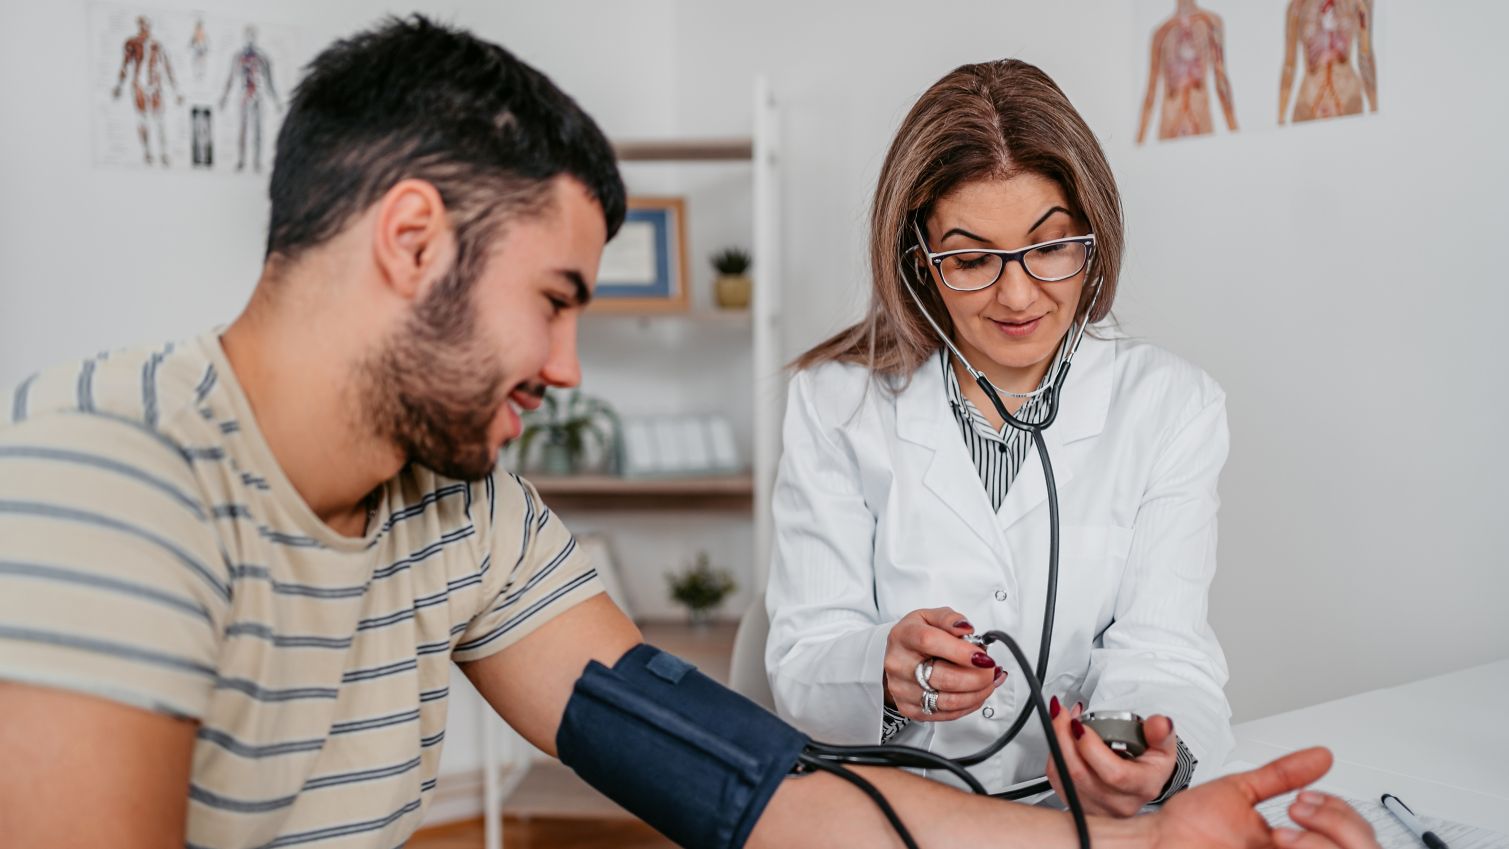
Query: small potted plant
x=566 y=427
x=701 y=589
x=733 y=283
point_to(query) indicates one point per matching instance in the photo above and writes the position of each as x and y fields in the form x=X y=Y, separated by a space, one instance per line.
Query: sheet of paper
x=1391 y=833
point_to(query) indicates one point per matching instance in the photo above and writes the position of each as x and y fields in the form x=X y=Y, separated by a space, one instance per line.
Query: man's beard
x=433 y=389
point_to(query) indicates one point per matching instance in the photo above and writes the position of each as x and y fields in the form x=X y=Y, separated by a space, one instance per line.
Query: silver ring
x=929 y=702
x=924 y=673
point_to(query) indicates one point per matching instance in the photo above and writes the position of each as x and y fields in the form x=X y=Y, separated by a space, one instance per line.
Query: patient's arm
x=530 y=683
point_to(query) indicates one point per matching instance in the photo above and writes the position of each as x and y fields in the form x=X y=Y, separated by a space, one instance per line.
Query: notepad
x=1391 y=833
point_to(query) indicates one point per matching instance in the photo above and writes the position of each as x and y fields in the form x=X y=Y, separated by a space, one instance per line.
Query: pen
x=1394 y=805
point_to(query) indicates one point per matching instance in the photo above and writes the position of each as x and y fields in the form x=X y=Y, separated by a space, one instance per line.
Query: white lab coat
x=879 y=511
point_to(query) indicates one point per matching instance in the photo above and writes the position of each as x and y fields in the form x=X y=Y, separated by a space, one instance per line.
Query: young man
x=234 y=570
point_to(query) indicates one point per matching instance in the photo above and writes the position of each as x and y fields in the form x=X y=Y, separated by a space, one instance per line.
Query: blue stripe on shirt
x=425 y=553
x=64 y=575
x=375 y=722
x=263 y=632
x=62 y=455
x=206 y=383
x=250 y=750
x=18 y=403
x=421 y=505
x=67 y=514
x=361 y=776
x=106 y=647
x=383 y=671
x=265 y=694
x=86 y=386
x=225 y=803
x=342 y=830
x=524 y=615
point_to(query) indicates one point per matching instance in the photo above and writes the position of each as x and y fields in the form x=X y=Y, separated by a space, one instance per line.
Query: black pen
x=1394 y=805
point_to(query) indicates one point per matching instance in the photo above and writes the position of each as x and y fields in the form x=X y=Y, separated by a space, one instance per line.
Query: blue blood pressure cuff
x=695 y=760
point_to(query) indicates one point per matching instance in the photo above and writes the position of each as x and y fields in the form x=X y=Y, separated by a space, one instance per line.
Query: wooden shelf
x=700 y=316
x=606 y=492
x=685 y=150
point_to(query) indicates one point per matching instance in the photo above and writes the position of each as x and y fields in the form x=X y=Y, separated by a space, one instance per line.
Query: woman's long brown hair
x=988 y=120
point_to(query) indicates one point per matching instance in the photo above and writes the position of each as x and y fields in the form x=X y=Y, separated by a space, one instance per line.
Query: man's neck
x=300 y=387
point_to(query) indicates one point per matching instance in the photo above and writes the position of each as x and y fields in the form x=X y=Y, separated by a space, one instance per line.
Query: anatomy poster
x=1329 y=67
x=188 y=91
x=1187 y=80
x=1209 y=68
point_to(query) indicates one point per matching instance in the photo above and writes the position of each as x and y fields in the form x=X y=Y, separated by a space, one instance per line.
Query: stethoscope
x=829 y=758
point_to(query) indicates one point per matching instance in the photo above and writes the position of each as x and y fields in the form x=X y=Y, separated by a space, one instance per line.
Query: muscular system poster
x=187 y=91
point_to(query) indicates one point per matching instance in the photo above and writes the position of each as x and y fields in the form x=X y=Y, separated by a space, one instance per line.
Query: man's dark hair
x=416 y=99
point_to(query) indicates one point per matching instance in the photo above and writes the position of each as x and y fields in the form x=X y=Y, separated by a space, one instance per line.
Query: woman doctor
x=908 y=514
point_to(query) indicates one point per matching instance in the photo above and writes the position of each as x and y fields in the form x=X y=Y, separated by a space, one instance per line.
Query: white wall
x=1336 y=278
x=1343 y=282
x=1332 y=277
x=99 y=258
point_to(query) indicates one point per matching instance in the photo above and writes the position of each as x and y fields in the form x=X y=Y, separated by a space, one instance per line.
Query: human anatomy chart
x=187 y=91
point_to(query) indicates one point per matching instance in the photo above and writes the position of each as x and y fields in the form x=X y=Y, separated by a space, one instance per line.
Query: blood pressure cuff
x=695 y=760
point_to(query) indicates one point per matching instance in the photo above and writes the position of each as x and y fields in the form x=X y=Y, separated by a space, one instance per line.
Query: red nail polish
x=1053 y=708
x=964 y=623
x=1000 y=673
x=982 y=660
x=1077 y=728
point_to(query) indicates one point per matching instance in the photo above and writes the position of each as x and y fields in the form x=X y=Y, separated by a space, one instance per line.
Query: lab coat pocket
x=1092 y=559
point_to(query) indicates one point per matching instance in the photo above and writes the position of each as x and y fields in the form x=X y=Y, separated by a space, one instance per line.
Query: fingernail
x=1053 y=708
x=1171 y=725
x=1312 y=798
x=1079 y=708
x=1077 y=728
x=1000 y=675
x=1302 y=810
x=982 y=660
x=1285 y=836
x=964 y=623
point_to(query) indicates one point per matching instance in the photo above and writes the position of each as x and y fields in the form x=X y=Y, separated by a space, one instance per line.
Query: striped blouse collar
x=962 y=406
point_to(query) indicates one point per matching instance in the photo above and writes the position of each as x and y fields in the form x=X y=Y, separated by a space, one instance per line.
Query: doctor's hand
x=1107 y=783
x=963 y=674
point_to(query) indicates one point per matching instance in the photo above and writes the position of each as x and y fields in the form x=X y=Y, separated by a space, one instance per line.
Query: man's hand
x=1221 y=812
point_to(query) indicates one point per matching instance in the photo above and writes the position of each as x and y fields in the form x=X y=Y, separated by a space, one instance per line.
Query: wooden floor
x=553 y=808
x=545 y=833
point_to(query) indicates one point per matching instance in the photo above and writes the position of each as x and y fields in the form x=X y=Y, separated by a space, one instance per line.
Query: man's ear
x=413 y=243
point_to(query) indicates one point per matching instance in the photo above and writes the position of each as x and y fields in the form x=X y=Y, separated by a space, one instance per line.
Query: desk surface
x=1441 y=744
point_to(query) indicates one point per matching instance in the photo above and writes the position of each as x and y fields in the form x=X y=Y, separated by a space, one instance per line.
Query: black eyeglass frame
x=1007 y=257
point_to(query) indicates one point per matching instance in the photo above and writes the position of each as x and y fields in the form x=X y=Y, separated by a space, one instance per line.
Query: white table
x=1441 y=744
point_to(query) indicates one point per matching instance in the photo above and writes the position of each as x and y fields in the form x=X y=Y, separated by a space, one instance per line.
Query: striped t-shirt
x=153 y=553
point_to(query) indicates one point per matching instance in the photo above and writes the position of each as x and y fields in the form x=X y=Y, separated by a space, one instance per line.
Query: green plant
x=567 y=426
x=731 y=261
x=701 y=588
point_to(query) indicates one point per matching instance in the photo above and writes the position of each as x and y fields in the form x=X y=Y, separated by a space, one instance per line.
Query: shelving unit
x=606 y=492
x=718 y=498
x=750 y=491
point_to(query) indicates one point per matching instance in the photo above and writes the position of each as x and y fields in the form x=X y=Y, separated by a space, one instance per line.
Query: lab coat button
x=1000 y=595
x=988 y=712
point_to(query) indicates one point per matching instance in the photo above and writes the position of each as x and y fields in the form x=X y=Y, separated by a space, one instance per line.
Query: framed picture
x=644 y=266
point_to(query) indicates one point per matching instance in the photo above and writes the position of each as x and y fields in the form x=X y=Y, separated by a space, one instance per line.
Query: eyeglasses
x=973 y=269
